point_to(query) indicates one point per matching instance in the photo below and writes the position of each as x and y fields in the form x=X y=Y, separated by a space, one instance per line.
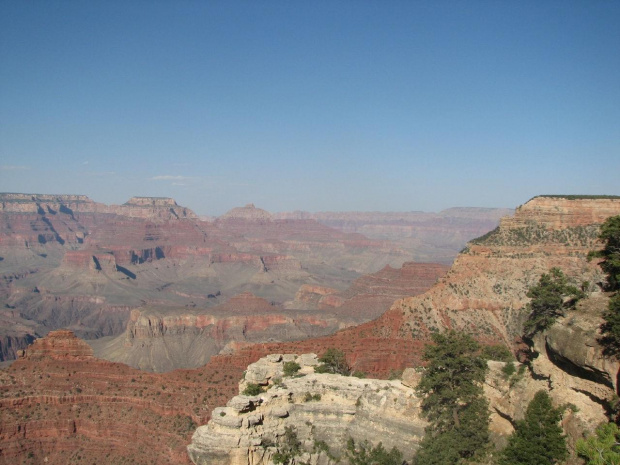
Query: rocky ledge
x=324 y=410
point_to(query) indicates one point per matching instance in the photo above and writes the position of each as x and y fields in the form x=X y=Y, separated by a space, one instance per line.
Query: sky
x=311 y=105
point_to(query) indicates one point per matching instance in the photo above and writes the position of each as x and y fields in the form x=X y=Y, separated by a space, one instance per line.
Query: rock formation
x=324 y=410
x=67 y=261
x=159 y=339
x=485 y=290
x=483 y=293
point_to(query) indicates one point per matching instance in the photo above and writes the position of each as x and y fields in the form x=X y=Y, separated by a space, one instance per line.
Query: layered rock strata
x=159 y=339
x=326 y=410
x=67 y=261
x=62 y=406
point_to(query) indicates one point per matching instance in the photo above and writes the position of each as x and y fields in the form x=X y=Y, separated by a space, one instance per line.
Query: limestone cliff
x=324 y=410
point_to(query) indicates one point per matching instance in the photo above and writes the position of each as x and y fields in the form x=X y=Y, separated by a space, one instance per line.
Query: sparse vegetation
x=508 y=370
x=497 y=352
x=288 y=448
x=252 y=390
x=312 y=397
x=364 y=454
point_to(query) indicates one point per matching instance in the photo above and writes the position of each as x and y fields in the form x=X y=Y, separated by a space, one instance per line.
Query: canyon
x=483 y=293
x=67 y=261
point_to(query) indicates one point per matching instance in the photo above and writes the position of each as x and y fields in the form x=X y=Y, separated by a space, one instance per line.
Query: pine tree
x=453 y=401
x=537 y=439
x=610 y=329
x=610 y=235
x=603 y=448
x=333 y=361
x=548 y=301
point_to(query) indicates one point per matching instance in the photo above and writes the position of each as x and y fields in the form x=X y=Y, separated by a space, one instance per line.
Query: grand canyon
x=129 y=332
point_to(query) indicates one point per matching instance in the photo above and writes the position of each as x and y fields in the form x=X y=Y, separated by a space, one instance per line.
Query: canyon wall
x=323 y=410
x=484 y=292
x=162 y=339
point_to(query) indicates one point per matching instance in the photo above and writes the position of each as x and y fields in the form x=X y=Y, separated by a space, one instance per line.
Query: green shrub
x=252 y=390
x=508 y=370
x=310 y=397
x=290 y=368
x=288 y=448
x=364 y=454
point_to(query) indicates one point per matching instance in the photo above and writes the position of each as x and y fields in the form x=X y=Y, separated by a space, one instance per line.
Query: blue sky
x=322 y=105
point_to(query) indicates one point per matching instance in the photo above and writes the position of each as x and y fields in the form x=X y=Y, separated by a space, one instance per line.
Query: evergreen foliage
x=453 y=400
x=537 y=439
x=610 y=235
x=497 y=352
x=365 y=454
x=610 y=329
x=602 y=448
x=333 y=361
x=548 y=301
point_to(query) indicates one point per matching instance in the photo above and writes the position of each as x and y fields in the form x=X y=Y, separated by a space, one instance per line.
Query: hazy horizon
x=323 y=106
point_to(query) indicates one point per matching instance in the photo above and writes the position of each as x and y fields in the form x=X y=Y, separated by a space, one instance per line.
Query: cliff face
x=328 y=409
x=159 y=339
x=371 y=295
x=163 y=341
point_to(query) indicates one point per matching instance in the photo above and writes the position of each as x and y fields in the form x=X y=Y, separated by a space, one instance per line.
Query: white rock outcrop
x=325 y=410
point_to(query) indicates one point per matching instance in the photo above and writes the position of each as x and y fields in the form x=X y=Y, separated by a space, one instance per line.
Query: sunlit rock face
x=322 y=408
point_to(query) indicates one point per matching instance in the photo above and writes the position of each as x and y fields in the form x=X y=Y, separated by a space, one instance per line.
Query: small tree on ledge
x=548 y=301
x=333 y=361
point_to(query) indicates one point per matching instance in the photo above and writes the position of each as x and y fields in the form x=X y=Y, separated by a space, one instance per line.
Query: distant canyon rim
x=153 y=285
